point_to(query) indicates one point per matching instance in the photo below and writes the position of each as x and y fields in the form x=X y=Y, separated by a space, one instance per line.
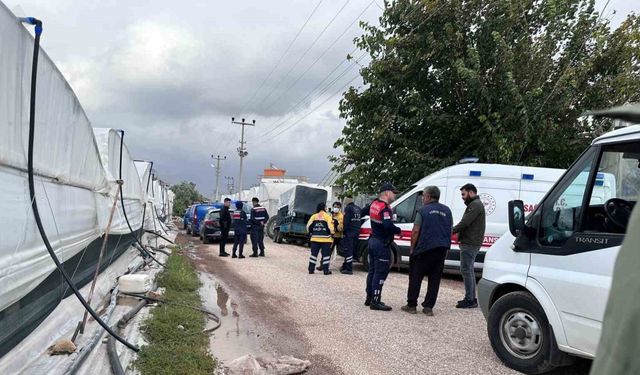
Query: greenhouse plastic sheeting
x=108 y=141
x=72 y=188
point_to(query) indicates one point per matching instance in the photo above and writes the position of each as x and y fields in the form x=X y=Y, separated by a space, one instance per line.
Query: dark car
x=195 y=215
x=210 y=228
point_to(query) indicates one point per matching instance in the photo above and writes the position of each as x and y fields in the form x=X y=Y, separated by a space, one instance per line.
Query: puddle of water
x=234 y=338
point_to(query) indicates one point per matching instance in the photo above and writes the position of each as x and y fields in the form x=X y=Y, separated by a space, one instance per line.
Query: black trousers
x=431 y=264
x=224 y=237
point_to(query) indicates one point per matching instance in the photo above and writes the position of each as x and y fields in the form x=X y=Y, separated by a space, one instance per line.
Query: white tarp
x=108 y=141
x=69 y=174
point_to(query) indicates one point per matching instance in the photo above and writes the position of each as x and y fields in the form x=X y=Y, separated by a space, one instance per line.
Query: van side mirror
x=516 y=217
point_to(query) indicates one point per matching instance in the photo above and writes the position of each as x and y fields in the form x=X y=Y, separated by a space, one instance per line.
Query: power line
x=304 y=54
x=313 y=110
x=322 y=91
x=281 y=56
x=283 y=92
x=278 y=121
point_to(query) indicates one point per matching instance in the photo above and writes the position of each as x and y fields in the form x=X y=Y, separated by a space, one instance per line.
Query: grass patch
x=172 y=350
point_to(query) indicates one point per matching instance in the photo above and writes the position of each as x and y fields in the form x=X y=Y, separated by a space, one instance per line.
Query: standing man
x=225 y=226
x=382 y=233
x=338 y=224
x=470 y=232
x=259 y=217
x=240 y=224
x=320 y=227
x=352 y=222
x=430 y=241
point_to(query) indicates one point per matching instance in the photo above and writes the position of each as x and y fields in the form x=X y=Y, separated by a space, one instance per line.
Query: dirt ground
x=323 y=319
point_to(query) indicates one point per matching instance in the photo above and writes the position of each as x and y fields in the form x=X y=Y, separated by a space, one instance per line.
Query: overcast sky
x=172 y=74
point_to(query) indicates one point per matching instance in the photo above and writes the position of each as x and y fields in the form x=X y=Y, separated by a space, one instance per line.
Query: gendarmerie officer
x=382 y=233
x=258 y=220
x=240 y=225
x=352 y=223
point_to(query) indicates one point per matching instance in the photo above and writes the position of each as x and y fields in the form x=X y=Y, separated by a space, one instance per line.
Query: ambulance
x=497 y=185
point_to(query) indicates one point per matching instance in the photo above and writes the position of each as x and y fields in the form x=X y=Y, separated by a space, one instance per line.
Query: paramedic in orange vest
x=320 y=228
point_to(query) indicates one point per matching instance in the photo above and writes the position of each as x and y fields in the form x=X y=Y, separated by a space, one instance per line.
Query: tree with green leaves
x=186 y=194
x=505 y=81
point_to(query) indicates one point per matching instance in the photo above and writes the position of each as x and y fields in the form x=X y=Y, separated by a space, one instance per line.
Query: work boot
x=465 y=304
x=409 y=309
x=262 y=253
x=328 y=272
x=428 y=311
x=242 y=257
x=367 y=301
x=311 y=272
x=345 y=272
x=224 y=254
x=380 y=306
x=234 y=255
x=319 y=268
x=254 y=255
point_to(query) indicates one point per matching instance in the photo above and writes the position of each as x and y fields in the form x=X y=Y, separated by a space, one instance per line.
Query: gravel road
x=323 y=318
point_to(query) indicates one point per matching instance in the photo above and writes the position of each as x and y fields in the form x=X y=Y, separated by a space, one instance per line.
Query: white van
x=545 y=284
x=497 y=185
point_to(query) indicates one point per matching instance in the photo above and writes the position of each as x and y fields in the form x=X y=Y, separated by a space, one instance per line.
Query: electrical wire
x=259 y=105
x=303 y=74
x=322 y=91
x=255 y=92
x=34 y=204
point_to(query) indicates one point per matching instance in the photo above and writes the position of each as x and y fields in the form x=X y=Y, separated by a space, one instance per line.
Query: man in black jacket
x=225 y=225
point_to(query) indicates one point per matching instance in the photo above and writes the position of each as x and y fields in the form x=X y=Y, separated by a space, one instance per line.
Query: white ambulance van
x=497 y=185
x=545 y=284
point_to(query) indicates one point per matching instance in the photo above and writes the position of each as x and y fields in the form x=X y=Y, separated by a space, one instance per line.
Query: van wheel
x=520 y=334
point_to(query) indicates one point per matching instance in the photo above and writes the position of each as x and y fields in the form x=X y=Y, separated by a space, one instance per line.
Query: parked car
x=185 y=217
x=497 y=184
x=545 y=284
x=195 y=216
x=210 y=229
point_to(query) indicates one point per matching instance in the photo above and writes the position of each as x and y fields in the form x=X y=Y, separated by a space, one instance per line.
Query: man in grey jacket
x=470 y=232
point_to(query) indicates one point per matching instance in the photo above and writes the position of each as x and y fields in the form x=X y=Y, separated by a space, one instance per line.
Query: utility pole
x=242 y=150
x=218 y=159
x=229 y=184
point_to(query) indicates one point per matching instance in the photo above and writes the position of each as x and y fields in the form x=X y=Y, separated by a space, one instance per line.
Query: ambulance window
x=617 y=185
x=562 y=209
x=406 y=210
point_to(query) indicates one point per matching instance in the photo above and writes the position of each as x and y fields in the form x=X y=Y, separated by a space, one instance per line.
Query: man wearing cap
x=382 y=234
x=258 y=220
x=352 y=224
x=430 y=242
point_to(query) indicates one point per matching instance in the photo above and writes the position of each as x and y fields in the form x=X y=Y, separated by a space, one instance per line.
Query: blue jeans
x=379 y=266
x=468 y=255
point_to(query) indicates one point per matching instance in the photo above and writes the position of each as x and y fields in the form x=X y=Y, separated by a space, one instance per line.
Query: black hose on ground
x=114 y=360
x=159 y=235
x=32 y=189
x=124 y=210
x=215 y=317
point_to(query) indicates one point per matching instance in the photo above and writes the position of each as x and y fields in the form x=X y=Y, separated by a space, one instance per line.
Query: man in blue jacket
x=240 y=224
x=352 y=222
x=430 y=241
